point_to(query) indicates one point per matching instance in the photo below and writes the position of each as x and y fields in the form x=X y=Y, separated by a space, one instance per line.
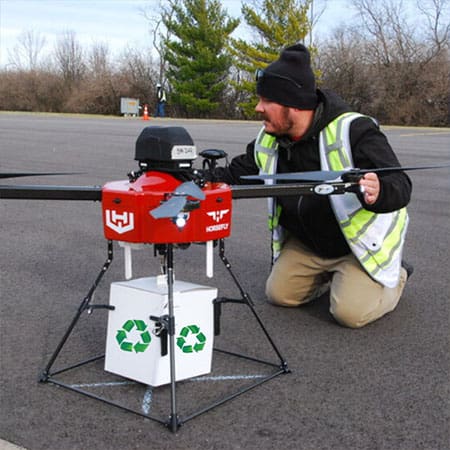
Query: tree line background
x=388 y=63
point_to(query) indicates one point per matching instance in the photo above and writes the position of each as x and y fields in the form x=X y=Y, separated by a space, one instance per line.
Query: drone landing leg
x=85 y=305
x=173 y=423
x=248 y=301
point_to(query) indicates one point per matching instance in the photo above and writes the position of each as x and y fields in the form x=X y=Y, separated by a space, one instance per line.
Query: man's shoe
x=408 y=267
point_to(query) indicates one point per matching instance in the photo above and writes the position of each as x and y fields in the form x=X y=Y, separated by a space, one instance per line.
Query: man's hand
x=370 y=186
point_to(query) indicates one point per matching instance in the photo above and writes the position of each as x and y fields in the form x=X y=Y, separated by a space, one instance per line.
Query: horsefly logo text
x=191 y=339
x=120 y=223
x=217 y=216
x=133 y=336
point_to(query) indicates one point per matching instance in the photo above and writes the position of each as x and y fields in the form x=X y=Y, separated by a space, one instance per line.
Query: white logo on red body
x=120 y=223
x=217 y=216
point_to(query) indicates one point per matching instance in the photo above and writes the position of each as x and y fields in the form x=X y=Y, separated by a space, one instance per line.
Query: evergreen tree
x=275 y=25
x=197 y=55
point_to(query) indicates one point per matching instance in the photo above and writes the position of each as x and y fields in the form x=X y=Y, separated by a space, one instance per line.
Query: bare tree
x=159 y=33
x=25 y=55
x=99 y=90
x=389 y=66
x=99 y=59
x=70 y=58
x=393 y=36
x=344 y=68
x=316 y=10
x=389 y=36
x=437 y=31
x=138 y=74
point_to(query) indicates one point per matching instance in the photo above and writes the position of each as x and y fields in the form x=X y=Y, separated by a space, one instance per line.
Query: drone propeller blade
x=191 y=189
x=330 y=175
x=399 y=169
x=170 y=208
x=315 y=175
x=35 y=174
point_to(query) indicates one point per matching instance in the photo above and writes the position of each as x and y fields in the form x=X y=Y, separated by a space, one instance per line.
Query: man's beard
x=282 y=125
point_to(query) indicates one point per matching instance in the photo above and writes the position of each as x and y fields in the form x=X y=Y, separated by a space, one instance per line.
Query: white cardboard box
x=133 y=349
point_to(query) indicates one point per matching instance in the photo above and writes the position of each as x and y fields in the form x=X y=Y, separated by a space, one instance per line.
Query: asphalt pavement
x=385 y=386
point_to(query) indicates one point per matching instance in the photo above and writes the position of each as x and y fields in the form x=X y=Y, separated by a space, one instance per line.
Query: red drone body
x=127 y=207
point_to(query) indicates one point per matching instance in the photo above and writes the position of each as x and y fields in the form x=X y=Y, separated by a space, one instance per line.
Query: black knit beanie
x=290 y=80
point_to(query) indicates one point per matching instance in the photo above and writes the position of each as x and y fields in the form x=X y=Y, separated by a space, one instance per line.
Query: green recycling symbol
x=127 y=327
x=189 y=348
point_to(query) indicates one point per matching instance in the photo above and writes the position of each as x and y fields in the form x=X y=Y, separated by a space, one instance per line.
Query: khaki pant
x=298 y=276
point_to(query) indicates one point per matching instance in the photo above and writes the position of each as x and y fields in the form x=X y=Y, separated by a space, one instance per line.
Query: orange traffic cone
x=145 y=116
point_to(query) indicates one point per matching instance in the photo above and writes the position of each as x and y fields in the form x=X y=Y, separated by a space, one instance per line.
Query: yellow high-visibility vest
x=376 y=240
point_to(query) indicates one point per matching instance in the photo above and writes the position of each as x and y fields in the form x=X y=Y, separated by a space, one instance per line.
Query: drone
x=169 y=204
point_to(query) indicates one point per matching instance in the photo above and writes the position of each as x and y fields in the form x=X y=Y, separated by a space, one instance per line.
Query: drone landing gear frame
x=168 y=322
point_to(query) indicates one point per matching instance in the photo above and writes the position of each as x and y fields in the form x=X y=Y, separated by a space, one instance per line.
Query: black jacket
x=310 y=218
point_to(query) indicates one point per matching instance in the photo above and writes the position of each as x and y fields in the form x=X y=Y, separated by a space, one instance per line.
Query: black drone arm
x=92 y=193
x=279 y=190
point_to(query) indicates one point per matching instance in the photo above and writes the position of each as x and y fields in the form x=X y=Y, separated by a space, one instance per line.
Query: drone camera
x=180 y=220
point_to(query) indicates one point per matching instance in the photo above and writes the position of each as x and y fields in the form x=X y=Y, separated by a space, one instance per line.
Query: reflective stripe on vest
x=375 y=239
x=266 y=157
